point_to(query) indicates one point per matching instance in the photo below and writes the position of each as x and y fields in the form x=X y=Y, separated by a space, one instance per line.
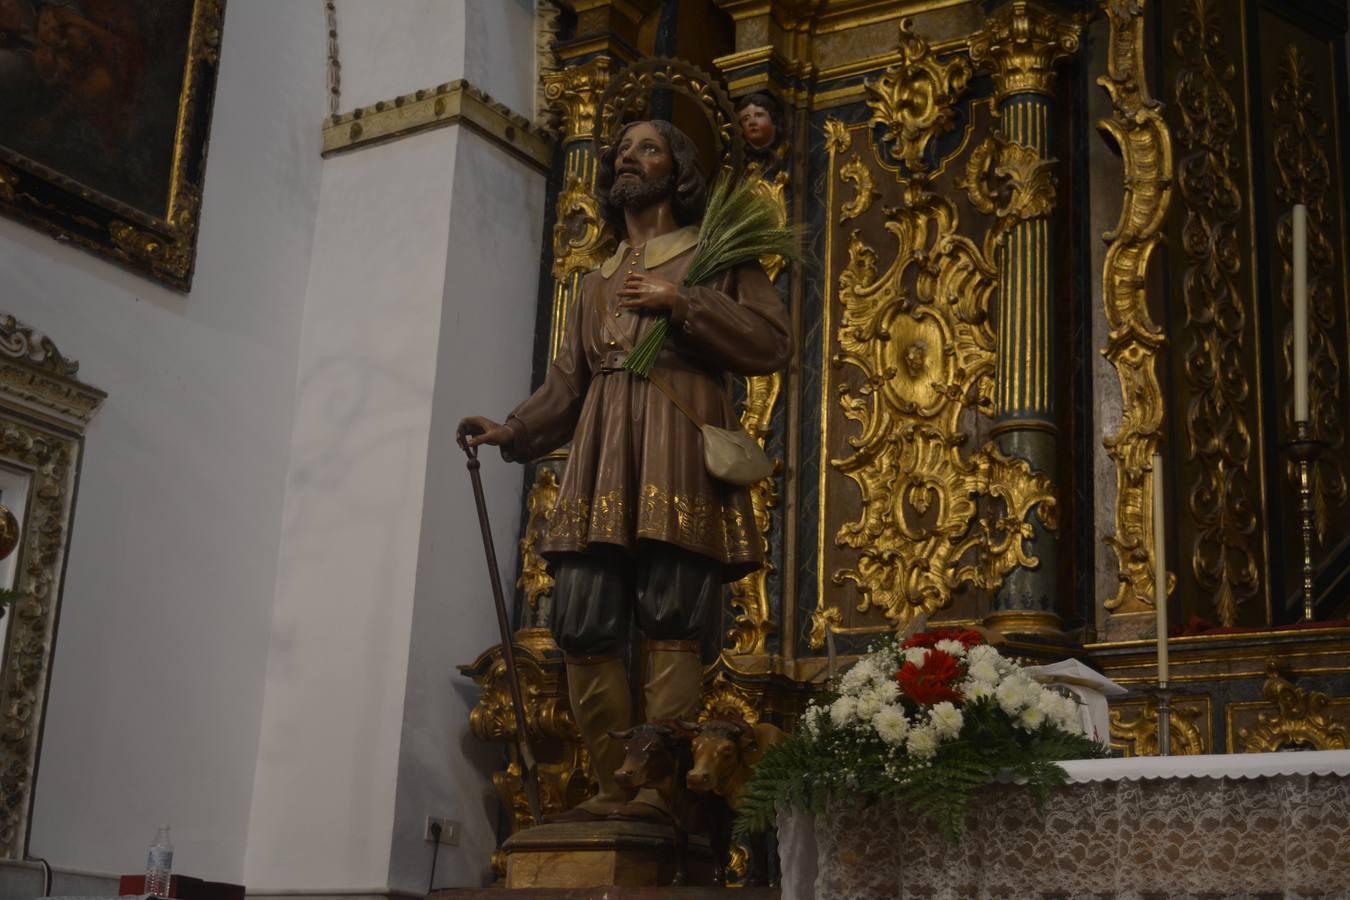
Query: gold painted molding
x=1134 y=343
x=453 y=103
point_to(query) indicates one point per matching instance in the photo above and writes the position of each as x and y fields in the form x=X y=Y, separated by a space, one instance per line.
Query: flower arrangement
x=928 y=721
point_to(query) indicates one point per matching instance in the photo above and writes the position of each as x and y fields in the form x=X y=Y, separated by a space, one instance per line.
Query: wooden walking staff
x=529 y=773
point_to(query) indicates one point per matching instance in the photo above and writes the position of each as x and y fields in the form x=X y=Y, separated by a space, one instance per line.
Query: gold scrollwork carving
x=581 y=238
x=1134 y=342
x=9 y=180
x=560 y=755
x=1020 y=44
x=922 y=356
x=860 y=177
x=575 y=93
x=1009 y=180
x=1300 y=721
x=824 y=619
x=913 y=99
x=1140 y=735
x=1305 y=177
x=534 y=579
x=1223 y=558
x=725 y=698
x=837 y=136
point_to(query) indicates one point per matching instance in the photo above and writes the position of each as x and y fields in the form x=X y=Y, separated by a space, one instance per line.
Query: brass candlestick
x=1304 y=449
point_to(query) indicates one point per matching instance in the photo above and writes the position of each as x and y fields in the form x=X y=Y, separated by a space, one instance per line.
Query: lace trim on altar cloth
x=1281 y=836
x=1236 y=765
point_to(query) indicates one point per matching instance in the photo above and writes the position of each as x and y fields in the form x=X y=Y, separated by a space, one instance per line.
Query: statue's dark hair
x=691 y=188
x=768 y=102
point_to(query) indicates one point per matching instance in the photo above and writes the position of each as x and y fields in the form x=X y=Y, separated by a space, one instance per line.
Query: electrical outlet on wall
x=449 y=830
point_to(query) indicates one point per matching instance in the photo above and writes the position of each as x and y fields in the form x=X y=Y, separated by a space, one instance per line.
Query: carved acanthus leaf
x=913 y=100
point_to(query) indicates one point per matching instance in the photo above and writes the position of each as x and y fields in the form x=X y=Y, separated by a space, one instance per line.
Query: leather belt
x=613 y=360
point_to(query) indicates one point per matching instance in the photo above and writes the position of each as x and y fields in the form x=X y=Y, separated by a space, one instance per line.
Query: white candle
x=1300 y=313
x=1159 y=567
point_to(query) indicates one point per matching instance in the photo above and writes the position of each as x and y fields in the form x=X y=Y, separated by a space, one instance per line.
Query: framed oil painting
x=105 y=107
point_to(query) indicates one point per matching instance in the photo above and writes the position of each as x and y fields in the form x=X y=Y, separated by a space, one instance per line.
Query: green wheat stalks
x=740 y=225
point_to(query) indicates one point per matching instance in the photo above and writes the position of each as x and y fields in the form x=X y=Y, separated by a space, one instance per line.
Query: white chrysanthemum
x=891 y=725
x=984 y=671
x=947 y=719
x=843 y=710
x=976 y=690
x=1031 y=718
x=955 y=648
x=888 y=691
x=858 y=677
x=869 y=704
x=916 y=655
x=922 y=742
x=1012 y=695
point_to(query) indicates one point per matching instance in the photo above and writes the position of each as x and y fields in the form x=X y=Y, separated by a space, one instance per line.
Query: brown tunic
x=635 y=471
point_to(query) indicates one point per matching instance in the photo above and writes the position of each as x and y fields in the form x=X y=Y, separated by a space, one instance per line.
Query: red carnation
x=931 y=682
x=965 y=636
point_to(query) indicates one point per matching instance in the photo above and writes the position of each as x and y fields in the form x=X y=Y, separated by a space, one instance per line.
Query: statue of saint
x=641 y=532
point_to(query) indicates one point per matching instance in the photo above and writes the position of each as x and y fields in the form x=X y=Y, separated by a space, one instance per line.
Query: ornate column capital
x=575 y=92
x=1020 y=45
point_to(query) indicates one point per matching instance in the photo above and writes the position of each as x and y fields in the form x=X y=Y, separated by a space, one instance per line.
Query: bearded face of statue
x=644 y=172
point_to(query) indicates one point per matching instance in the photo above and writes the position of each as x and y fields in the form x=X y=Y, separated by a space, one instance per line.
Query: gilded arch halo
x=629 y=90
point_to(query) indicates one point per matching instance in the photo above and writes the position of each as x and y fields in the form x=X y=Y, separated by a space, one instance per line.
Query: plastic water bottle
x=159 y=864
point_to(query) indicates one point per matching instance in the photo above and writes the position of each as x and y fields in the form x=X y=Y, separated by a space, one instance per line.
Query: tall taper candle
x=1160 y=567
x=1300 y=313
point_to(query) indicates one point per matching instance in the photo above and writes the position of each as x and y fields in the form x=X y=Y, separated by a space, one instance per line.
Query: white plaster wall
x=323 y=799
x=158 y=678
x=483 y=367
x=500 y=58
x=394 y=47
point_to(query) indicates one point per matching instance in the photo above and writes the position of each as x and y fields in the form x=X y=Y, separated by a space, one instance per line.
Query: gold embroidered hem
x=696 y=523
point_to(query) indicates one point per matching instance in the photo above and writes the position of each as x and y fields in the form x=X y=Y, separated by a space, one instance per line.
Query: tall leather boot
x=673 y=684
x=672 y=688
x=598 y=690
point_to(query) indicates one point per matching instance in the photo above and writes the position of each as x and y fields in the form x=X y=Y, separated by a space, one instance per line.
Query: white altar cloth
x=1244 y=825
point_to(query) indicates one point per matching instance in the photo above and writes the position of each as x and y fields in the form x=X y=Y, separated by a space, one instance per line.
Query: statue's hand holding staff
x=476 y=430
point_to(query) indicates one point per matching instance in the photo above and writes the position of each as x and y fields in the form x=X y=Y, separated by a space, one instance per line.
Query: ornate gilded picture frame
x=44 y=410
x=105 y=110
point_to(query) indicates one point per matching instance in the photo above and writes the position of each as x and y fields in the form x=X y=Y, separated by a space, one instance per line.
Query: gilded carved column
x=1020 y=45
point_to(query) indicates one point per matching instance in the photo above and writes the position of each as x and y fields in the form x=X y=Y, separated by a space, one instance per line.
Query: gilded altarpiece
x=1198 y=124
x=1253 y=97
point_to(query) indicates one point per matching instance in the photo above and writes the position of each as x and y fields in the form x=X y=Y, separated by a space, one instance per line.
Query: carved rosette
x=1304 y=176
x=1134 y=342
x=1020 y=44
x=1219 y=439
x=914 y=99
x=1300 y=721
x=575 y=93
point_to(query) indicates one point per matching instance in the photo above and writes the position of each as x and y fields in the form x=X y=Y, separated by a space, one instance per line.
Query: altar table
x=1258 y=825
